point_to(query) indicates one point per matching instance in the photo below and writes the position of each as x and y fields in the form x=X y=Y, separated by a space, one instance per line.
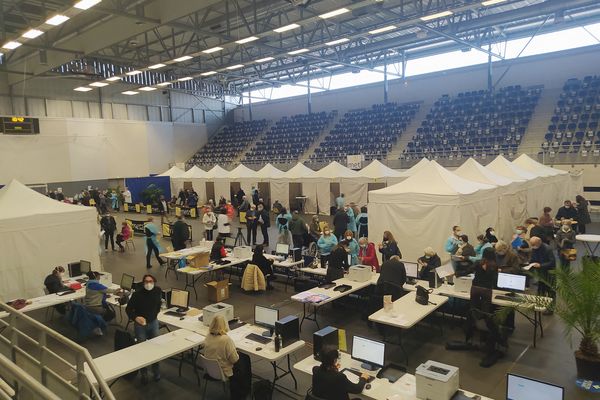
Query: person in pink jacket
x=367 y=254
x=124 y=235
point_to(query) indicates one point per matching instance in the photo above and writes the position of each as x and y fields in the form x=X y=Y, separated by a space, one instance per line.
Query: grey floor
x=552 y=360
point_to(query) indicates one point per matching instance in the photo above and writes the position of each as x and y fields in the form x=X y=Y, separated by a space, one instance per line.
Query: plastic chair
x=129 y=242
x=311 y=396
x=212 y=372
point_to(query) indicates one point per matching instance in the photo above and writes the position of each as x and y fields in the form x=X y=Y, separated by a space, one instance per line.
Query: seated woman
x=428 y=263
x=482 y=244
x=565 y=240
x=329 y=383
x=490 y=235
x=95 y=296
x=338 y=263
x=53 y=283
x=265 y=265
x=123 y=236
x=461 y=259
x=218 y=251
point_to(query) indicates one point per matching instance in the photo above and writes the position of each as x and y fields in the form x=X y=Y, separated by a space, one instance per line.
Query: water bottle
x=277 y=343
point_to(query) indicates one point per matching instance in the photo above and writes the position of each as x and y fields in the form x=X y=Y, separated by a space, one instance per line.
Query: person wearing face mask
x=367 y=254
x=351 y=218
x=506 y=259
x=389 y=247
x=352 y=246
x=142 y=309
x=315 y=228
x=583 y=214
x=263 y=220
x=453 y=241
x=565 y=240
x=54 y=284
x=462 y=262
x=542 y=258
x=326 y=243
x=209 y=220
x=481 y=245
x=490 y=235
x=567 y=211
x=428 y=263
x=518 y=237
x=329 y=383
x=250 y=223
x=152 y=243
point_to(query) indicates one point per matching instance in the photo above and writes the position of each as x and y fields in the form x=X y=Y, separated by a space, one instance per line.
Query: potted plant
x=151 y=194
x=578 y=306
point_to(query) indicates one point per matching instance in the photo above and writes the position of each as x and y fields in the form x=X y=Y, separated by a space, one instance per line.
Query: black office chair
x=393 y=289
x=311 y=396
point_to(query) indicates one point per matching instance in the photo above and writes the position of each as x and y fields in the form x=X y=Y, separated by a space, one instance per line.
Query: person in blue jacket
x=351 y=219
x=482 y=244
x=152 y=244
x=453 y=241
x=352 y=246
x=326 y=243
x=283 y=220
x=362 y=223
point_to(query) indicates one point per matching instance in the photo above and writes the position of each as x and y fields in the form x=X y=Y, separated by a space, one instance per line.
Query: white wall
x=550 y=70
x=70 y=149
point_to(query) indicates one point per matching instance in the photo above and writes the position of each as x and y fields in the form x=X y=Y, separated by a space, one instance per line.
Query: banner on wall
x=167 y=230
x=355 y=161
x=137 y=226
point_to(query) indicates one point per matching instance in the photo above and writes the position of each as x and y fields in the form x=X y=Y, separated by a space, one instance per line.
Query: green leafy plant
x=151 y=194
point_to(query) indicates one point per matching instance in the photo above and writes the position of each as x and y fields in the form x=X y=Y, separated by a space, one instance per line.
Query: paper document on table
x=352 y=377
x=406 y=385
x=396 y=319
x=162 y=339
x=194 y=338
x=237 y=335
x=528 y=267
x=302 y=296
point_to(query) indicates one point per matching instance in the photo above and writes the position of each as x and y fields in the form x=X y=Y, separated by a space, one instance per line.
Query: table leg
x=287 y=371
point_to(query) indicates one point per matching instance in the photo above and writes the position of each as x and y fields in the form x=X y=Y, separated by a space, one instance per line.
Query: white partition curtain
x=280 y=190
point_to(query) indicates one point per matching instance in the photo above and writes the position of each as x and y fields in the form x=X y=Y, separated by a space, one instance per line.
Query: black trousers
x=120 y=240
x=265 y=233
x=177 y=245
x=298 y=241
x=209 y=234
x=251 y=233
x=111 y=236
x=152 y=248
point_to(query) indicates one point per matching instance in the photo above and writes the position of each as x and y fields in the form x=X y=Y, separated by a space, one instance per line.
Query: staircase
x=538 y=126
x=317 y=142
x=411 y=130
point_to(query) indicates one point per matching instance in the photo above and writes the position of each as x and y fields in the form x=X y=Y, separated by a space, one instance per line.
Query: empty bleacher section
x=226 y=146
x=372 y=133
x=573 y=131
x=478 y=123
x=288 y=139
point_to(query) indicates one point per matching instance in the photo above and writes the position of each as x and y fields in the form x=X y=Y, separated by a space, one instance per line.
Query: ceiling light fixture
x=57 y=20
x=157 y=66
x=82 y=89
x=334 y=13
x=129 y=92
x=98 y=84
x=11 y=45
x=261 y=60
x=247 y=40
x=237 y=66
x=381 y=30
x=437 y=15
x=491 y=2
x=299 y=51
x=184 y=58
x=212 y=50
x=113 y=78
x=85 y=4
x=134 y=72
x=338 y=41
x=147 y=89
x=32 y=33
x=208 y=73
x=164 y=84
x=286 y=28
x=187 y=78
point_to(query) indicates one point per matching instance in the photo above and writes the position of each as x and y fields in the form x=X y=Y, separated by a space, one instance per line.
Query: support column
x=385 y=79
x=250 y=104
x=308 y=95
x=489 y=71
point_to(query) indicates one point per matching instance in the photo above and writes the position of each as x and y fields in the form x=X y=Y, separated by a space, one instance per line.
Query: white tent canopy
x=350 y=182
x=421 y=210
x=424 y=162
x=529 y=164
x=299 y=174
x=380 y=172
x=37 y=234
x=512 y=201
x=221 y=185
x=245 y=176
x=193 y=172
x=174 y=172
x=269 y=172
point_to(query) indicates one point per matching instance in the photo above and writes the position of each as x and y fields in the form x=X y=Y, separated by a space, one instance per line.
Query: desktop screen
x=229 y=242
x=127 y=281
x=411 y=269
x=511 y=281
x=521 y=388
x=74 y=269
x=180 y=298
x=265 y=316
x=368 y=350
x=86 y=266
x=282 y=248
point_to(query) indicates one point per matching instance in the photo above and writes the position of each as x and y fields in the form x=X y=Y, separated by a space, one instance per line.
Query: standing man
x=250 y=224
x=453 y=241
x=262 y=219
x=152 y=244
x=255 y=196
x=142 y=309
x=180 y=234
x=542 y=258
x=109 y=226
x=340 y=201
x=126 y=196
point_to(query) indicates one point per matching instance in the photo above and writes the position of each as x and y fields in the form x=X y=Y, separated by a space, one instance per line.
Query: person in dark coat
x=263 y=220
x=392 y=271
x=264 y=264
x=340 y=223
x=338 y=263
x=53 y=283
x=180 y=234
x=428 y=263
x=328 y=383
x=298 y=230
x=567 y=211
x=583 y=214
x=239 y=196
x=389 y=247
x=490 y=235
x=109 y=226
x=251 y=224
x=543 y=259
x=463 y=265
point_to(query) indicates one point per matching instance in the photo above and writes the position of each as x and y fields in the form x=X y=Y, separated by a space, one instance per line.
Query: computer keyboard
x=174 y=314
x=258 y=338
x=359 y=374
x=507 y=298
x=235 y=324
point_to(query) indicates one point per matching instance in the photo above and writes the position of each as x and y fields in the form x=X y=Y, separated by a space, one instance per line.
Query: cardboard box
x=199 y=260
x=218 y=290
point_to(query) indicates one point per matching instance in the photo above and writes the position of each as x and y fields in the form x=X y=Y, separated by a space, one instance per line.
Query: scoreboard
x=19 y=125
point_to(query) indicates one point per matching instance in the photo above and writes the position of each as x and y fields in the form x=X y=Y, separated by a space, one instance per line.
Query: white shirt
x=127 y=196
x=223 y=224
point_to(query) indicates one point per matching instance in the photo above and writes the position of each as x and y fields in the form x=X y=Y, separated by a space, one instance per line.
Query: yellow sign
x=166 y=230
x=92 y=202
x=342 y=340
x=138 y=209
x=17 y=119
x=125 y=207
x=149 y=209
x=193 y=212
x=243 y=217
x=177 y=211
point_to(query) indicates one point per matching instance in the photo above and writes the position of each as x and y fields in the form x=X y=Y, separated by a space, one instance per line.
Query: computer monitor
x=86 y=266
x=180 y=299
x=282 y=249
x=511 y=282
x=412 y=271
x=445 y=270
x=74 y=269
x=266 y=317
x=127 y=281
x=370 y=352
x=522 y=388
x=229 y=242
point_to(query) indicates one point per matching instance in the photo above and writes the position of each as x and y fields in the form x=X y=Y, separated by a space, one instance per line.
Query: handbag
x=422 y=296
x=569 y=254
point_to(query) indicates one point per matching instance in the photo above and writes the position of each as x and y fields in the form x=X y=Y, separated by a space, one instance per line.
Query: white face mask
x=348 y=238
x=149 y=286
x=326 y=233
x=492 y=233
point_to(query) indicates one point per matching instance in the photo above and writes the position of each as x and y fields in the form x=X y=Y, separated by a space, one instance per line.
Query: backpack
x=262 y=390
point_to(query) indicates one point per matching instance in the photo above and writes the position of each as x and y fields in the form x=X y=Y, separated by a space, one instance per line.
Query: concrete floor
x=552 y=360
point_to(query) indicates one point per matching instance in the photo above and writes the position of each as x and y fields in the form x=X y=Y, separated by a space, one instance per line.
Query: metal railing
x=33 y=370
